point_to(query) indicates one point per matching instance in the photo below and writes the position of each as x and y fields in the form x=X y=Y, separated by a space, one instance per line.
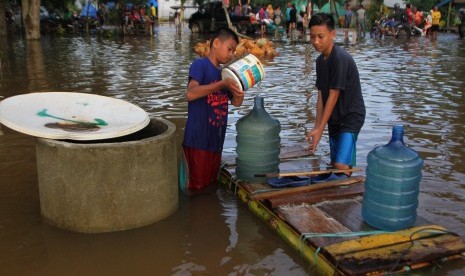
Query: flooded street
x=418 y=83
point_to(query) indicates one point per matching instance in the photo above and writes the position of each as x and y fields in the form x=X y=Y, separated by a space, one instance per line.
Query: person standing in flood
x=153 y=12
x=461 y=15
x=340 y=103
x=347 y=19
x=207 y=116
x=292 y=19
x=361 y=21
x=436 y=18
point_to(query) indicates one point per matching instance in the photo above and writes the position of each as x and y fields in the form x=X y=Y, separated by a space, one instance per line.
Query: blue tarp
x=89 y=10
x=155 y=3
x=442 y=3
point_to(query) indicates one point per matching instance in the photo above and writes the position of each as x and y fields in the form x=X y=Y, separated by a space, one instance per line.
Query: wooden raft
x=325 y=220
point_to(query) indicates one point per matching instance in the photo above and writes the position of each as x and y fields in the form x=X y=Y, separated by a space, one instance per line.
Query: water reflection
x=418 y=83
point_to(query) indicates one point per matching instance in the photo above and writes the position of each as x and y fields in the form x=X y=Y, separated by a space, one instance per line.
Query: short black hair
x=322 y=18
x=224 y=34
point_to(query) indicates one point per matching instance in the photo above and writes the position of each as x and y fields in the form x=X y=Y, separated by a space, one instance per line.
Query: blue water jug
x=392 y=183
x=258 y=144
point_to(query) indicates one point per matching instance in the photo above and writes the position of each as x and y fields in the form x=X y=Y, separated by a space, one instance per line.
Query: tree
x=423 y=5
x=2 y=19
x=31 y=18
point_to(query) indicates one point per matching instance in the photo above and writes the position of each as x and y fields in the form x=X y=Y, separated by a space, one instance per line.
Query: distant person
x=461 y=16
x=340 y=103
x=361 y=21
x=245 y=4
x=269 y=11
x=305 y=23
x=410 y=15
x=347 y=19
x=418 y=18
x=277 y=16
x=292 y=19
x=428 y=23
x=153 y=12
x=398 y=15
x=300 y=24
x=237 y=10
x=288 y=15
x=207 y=115
x=436 y=18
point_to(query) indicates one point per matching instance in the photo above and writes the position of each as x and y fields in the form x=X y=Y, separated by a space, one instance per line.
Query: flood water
x=418 y=83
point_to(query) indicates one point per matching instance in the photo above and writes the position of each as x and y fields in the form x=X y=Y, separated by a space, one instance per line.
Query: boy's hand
x=232 y=86
x=313 y=138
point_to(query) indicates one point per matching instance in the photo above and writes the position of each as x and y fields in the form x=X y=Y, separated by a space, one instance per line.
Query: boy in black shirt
x=340 y=102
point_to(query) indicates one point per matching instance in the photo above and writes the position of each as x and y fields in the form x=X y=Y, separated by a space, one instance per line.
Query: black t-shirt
x=339 y=71
x=293 y=15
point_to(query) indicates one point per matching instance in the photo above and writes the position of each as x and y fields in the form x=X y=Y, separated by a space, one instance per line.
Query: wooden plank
x=396 y=256
x=347 y=212
x=310 y=219
x=383 y=240
x=375 y=254
x=293 y=151
x=319 y=196
x=309 y=188
x=308 y=173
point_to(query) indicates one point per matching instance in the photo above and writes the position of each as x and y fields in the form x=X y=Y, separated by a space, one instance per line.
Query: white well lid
x=69 y=115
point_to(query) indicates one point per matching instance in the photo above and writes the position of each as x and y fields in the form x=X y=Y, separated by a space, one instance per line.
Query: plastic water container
x=393 y=176
x=258 y=144
x=246 y=71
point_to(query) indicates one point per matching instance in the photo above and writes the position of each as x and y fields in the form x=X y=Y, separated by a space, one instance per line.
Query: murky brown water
x=418 y=83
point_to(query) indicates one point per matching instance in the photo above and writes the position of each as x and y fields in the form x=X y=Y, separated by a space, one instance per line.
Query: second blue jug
x=392 y=183
x=258 y=144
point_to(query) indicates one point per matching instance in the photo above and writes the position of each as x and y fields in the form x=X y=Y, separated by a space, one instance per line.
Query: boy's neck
x=326 y=53
x=213 y=60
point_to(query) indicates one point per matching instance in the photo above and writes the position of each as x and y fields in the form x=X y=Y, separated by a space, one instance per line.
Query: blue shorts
x=342 y=147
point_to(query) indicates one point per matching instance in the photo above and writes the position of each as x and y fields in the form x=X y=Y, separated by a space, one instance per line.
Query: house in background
x=167 y=8
x=391 y=3
x=459 y=4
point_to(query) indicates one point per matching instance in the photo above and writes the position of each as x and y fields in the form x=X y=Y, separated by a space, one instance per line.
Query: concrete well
x=109 y=185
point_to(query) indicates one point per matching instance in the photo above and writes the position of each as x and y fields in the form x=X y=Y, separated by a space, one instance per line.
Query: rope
x=305 y=236
x=428 y=230
x=315 y=256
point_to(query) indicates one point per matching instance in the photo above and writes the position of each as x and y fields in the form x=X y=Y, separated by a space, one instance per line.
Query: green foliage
x=56 y=4
x=374 y=12
x=423 y=5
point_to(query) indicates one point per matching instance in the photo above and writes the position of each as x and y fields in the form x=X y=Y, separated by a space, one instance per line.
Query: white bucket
x=246 y=71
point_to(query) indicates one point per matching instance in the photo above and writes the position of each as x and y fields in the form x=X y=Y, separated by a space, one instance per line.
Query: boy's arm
x=322 y=117
x=319 y=110
x=196 y=91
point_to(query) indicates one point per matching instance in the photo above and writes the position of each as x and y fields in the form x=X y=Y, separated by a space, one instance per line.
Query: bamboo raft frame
x=323 y=223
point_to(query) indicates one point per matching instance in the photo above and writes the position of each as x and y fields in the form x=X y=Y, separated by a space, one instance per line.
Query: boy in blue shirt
x=207 y=118
x=340 y=103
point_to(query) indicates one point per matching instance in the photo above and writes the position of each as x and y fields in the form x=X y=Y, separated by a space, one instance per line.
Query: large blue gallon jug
x=258 y=144
x=392 y=183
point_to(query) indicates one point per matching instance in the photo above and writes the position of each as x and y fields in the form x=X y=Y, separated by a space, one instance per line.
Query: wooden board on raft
x=390 y=252
x=327 y=219
x=286 y=152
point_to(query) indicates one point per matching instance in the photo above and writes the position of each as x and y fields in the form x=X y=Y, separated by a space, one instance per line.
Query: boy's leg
x=343 y=150
x=203 y=167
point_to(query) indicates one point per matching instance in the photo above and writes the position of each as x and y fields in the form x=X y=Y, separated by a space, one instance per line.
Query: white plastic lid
x=74 y=116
